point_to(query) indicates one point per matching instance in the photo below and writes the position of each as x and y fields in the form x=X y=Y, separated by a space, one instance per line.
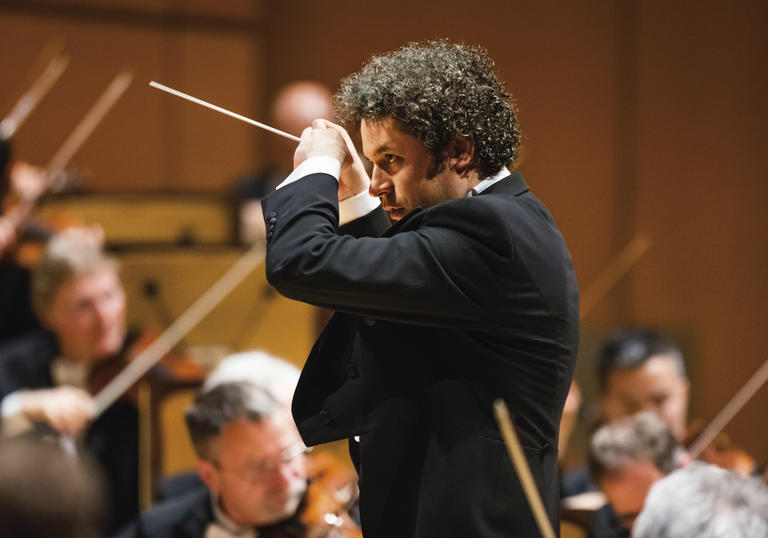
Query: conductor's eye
x=389 y=158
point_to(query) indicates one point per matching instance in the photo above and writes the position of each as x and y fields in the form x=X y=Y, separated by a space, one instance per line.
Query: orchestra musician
x=469 y=297
x=626 y=458
x=207 y=502
x=705 y=501
x=252 y=460
x=45 y=376
x=638 y=369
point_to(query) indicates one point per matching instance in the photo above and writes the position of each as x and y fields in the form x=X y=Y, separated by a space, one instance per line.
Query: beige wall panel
x=149 y=219
x=253 y=316
x=177 y=453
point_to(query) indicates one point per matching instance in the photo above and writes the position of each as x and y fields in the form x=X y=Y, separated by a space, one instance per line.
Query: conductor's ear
x=460 y=153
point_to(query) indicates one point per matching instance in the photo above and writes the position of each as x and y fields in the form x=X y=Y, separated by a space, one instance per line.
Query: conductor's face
x=403 y=170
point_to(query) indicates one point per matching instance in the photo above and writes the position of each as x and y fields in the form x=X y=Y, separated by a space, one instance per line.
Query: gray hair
x=222 y=405
x=64 y=258
x=704 y=501
x=437 y=92
x=258 y=368
x=639 y=437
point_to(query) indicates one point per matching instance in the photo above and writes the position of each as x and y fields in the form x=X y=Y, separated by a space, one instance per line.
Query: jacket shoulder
x=25 y=362
x=186 y=515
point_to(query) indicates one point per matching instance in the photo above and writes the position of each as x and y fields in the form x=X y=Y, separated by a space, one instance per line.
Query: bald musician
x=292 y=110
x=470 y=296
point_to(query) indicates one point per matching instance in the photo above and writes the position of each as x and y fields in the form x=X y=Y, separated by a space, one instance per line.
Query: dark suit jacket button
x=325 y=418
x=271 y=214
x=369 y=321
x=273 y=220
x=352 y=370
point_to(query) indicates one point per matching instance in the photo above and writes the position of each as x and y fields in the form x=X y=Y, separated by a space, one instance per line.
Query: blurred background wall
x=638 y=116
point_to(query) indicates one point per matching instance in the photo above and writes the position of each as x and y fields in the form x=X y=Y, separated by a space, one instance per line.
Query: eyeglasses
x=257 y=472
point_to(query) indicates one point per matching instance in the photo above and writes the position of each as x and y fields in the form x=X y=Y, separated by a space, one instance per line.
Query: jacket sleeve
x=436 y=274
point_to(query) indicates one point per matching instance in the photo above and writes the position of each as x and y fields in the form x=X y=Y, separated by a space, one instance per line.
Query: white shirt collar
x=226 y=527
x=66 y=372
x=487 y=182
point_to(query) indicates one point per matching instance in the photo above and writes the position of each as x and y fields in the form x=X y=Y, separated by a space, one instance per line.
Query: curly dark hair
x=437 y=91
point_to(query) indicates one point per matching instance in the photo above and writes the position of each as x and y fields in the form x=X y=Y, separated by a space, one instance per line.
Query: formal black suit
x=25 y=363
x=456 y=305
x=184 y=516
x=16 y=315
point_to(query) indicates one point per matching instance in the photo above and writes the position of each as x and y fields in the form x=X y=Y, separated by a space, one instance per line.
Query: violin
x=706 y=444
x=324 y=510
x=172 y=365
x=722 y=451
x=331 y=494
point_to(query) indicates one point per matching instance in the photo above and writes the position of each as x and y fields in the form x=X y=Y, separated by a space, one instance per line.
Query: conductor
x=470 y=296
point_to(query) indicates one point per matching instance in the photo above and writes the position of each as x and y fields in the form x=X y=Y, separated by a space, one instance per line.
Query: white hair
x=704 y=501
x=258 y=368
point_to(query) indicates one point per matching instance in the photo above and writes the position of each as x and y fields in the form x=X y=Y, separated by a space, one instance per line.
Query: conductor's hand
x=328 y=139
x=67 y=409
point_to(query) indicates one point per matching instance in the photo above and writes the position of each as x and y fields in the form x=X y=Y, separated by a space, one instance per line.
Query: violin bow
x=90 y=121
x=613 y=272
x=501 y=412
x=75 y=140
x=198 y=310
x=32 y=97
x=727 y=413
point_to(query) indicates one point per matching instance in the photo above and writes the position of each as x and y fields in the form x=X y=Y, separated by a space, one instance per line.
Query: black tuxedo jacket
x=454 y=306
x=25 y=363
x=184 y=516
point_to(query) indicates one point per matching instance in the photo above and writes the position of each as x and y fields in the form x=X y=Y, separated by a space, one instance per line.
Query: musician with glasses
x=252 y=460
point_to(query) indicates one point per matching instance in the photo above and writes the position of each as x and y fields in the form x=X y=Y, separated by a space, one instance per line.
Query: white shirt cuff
x=356 y=206
x=14 y=421
x=314 y=165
